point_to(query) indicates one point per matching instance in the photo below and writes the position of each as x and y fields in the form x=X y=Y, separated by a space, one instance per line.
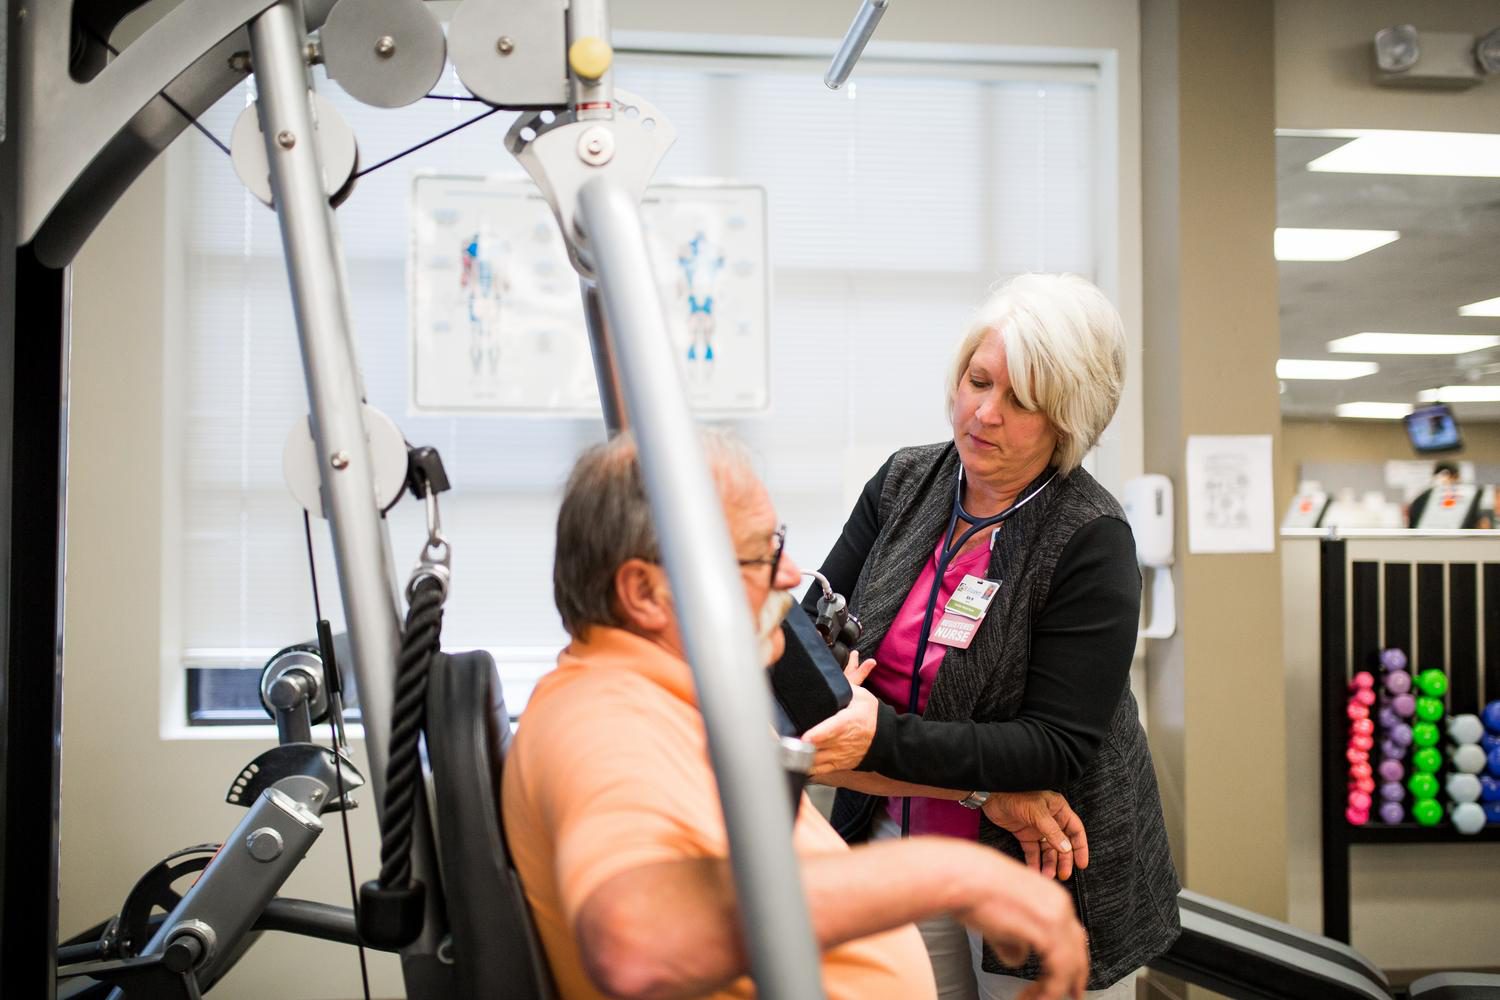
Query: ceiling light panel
x=1429 y=154
x=1411 y=343
x=1373 y=411
x=1334 y=371
x=1487 y=307
x=1462 y=394
x=1330 y=244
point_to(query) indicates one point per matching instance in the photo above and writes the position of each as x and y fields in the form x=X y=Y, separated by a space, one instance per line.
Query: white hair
x=1065 y=348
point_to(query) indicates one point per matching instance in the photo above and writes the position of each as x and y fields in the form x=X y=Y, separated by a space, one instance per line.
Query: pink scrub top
x=890 y=681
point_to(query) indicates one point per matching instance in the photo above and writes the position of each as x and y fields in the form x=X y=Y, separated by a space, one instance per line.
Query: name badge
x=964 y=612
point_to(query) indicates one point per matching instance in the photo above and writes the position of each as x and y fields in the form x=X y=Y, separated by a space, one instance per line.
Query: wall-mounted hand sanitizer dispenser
x=1148 y=507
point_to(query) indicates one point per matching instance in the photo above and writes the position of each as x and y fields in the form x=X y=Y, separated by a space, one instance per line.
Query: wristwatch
x=975 y=800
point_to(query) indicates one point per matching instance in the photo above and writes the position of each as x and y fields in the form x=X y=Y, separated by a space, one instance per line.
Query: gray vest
x=1127 y=900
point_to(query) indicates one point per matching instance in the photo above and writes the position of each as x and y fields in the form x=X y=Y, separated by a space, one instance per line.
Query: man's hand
x=843 y=739
x=1051 y=834
x=1020 y=914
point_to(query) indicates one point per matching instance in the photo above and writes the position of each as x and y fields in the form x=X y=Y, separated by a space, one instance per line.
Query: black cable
x=163 y=95
x=452 y=97
x=312 y=564
x=338 y=770
x=426 y=142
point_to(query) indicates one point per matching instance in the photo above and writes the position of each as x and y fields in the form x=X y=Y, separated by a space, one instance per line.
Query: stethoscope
x=949 y=550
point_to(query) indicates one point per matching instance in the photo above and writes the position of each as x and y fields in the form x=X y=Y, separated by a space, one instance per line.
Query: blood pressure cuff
x=809 y=683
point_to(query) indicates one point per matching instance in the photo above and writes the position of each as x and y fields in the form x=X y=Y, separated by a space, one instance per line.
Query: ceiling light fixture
x=1411 y=343
x=1372 y=411
x=1428 y=154
x=1332 y=371
x=1486 y=307
x=1329 y=244
x=1461 y=394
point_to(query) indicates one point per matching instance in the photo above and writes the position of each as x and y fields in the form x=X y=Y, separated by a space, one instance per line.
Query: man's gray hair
x=605 y=521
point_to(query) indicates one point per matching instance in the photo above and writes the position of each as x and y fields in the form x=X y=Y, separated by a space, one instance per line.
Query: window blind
x=894 y=204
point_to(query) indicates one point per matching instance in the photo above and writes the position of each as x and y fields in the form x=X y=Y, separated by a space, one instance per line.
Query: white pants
x=957 y=954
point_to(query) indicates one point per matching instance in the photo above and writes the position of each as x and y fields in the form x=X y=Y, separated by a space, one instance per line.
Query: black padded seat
x=1455 y=986
x=1244 y=955
x=496 y=951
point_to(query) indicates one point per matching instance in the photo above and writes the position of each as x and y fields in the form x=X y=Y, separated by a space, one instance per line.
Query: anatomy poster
x=496 y=319
x=1230 y=504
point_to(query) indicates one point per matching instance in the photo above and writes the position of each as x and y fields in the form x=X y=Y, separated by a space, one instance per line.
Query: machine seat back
x=496 y=951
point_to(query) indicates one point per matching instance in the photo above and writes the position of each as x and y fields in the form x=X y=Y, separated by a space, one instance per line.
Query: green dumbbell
x=1429 y=709
x=1428 y=760
x=1433 y=683
x=1422 y=785
x=1428 y=812
x=1424 y=734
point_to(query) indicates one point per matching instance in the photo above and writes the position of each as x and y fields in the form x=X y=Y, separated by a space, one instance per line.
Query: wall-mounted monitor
x=1433 y=429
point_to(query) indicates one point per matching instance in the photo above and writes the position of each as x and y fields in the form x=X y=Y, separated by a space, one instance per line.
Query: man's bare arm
x=671 y=929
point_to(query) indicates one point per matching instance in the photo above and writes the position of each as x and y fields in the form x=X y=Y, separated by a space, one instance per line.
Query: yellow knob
x=590 y=57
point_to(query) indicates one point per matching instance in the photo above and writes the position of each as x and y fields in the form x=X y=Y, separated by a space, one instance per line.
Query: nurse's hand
x=1051 y=835
x=843 y=739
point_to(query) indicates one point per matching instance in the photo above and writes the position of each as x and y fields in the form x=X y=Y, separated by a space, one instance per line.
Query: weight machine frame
x=78 y=128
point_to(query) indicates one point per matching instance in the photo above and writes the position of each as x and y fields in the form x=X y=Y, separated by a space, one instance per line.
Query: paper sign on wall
x=1230 y=503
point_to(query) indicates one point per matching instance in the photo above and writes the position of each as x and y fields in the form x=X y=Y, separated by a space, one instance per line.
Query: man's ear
x=642 y=596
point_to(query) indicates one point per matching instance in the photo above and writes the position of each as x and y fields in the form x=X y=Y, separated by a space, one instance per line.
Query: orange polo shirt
x=609 y=771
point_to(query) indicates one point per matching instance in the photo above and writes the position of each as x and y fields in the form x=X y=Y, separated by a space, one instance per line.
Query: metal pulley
x=302 y=467
x=386 y=53
x=512 y=53
x=337 y=152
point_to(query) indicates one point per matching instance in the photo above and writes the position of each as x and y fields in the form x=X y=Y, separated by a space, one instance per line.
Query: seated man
x=613 y=815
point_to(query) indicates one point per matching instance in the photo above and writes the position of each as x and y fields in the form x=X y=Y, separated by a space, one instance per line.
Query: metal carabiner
x=436 y=557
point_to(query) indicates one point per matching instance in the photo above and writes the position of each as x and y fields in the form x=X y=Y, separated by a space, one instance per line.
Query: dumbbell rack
x=1366 y=605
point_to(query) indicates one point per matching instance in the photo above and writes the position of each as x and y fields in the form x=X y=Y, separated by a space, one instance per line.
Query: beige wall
x=1210 y=296
x=1324 y=65
x=130 y=797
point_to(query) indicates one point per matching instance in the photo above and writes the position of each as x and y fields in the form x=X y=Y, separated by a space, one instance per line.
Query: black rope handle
x=390 y=913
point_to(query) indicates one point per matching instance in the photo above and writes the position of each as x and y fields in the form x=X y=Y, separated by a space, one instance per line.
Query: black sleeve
x=1419 y=504
x=847 y=557
x=1081 y=648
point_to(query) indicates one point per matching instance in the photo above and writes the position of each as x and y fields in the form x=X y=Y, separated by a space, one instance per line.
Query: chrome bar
x=590 y=98
x=865 y=19
x=320 y=303
x=606 y=369
x=733 y=692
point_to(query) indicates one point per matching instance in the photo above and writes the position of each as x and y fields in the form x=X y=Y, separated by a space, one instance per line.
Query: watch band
x=974 y=800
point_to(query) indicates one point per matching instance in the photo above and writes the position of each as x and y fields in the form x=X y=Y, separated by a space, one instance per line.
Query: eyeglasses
x=774 y=559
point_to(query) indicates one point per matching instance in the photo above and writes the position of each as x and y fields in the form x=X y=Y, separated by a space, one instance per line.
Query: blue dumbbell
x=1491 y=716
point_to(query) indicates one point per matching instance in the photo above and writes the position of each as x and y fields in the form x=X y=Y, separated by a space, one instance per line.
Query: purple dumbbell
x=1398 y=682
x=1393 y=659
x=1391 y=770
x=1392 y=750
x=1388 y=718
x=1392 y=812
x=1393 y=791
x=1401 y=735
x=1404 y=705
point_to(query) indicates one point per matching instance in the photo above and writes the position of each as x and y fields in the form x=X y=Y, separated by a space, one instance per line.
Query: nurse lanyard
x=950 y=549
